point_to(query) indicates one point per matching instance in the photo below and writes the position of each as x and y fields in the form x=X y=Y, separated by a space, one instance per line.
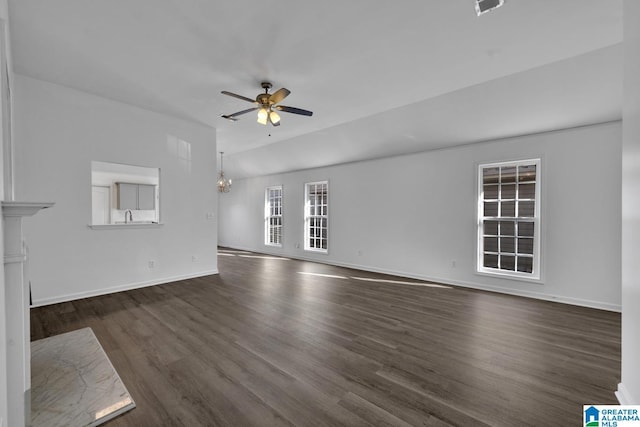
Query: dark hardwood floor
x=282 y=342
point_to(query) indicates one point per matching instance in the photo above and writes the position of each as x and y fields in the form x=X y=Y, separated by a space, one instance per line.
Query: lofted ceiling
x=382 y=78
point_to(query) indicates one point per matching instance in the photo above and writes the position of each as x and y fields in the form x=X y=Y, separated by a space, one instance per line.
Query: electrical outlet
x=210 y=215
x=152 y=264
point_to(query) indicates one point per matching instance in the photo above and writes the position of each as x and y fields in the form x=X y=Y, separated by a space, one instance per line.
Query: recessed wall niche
x=124 y=194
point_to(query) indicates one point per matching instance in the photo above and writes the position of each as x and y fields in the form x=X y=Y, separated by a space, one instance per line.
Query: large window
x=316 y=216
x=509 y=218
x=273 y=216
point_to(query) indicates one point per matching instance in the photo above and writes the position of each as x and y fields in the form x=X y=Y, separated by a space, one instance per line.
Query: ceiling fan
x=266 y=106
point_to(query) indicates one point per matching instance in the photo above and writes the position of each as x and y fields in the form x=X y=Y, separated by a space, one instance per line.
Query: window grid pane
x=508 y=217
x=317 y=216
x=273 y=220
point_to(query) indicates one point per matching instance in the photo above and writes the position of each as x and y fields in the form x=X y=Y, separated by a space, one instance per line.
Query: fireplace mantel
x=16 y=307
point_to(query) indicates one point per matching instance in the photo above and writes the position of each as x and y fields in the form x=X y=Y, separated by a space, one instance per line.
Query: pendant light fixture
x=224 y=184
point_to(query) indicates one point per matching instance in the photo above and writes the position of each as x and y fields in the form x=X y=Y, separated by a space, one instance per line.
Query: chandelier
x=224 y=184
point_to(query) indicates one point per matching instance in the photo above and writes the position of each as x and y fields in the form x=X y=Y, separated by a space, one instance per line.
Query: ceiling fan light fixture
x=274 y=117
x=267 y=103
x=262 y=116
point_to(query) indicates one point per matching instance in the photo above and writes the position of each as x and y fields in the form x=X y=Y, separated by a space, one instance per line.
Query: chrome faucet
x=128 y=211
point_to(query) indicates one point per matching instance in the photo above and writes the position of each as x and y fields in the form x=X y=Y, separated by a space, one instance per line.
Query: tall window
x=509 y=218
x=273 y=216
x=316 y=216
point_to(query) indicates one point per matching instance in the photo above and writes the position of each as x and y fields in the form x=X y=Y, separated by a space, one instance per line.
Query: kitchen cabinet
x=127 y=196
x=136 y=196
x=146 y=197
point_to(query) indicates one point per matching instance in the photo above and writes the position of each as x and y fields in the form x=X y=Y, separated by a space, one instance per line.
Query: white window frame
x=269 y=214
x=535 y=275
x=308 y=217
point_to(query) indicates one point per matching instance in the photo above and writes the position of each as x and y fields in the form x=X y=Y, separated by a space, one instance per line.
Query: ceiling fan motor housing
x=263 y=99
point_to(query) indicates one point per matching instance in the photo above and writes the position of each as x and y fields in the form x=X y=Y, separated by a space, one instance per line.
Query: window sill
x=317 y=251
x=121 y=226
x=508 y=276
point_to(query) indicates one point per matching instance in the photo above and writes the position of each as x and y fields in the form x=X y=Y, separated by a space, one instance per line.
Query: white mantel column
x=629 y=388
x=16 y=299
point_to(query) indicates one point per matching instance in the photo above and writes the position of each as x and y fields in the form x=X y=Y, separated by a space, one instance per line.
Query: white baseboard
x=624 y=397
x=119 y=288
x=490 y=288
x=473 y=285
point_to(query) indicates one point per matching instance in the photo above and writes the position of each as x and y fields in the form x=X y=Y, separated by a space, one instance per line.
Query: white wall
x=58 y=132
x=629 y=388
x=413 y=215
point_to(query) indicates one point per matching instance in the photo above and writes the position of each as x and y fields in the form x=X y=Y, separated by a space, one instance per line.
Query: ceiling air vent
x=484 y=6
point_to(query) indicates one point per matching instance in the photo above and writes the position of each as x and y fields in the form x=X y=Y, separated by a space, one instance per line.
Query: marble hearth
x=73 y=382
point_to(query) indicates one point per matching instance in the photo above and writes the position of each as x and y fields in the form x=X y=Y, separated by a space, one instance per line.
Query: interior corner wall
x=58 y=132
x=415 y=215
x=629 y=388
x=4 y=390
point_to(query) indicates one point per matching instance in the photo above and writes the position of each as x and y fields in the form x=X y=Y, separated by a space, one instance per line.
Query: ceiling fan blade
x=279 y=95
x=233 y=116
x=235 y=95
x=293 y=110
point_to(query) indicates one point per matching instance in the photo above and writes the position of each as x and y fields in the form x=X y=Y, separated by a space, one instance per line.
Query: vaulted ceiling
x=383 y=78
